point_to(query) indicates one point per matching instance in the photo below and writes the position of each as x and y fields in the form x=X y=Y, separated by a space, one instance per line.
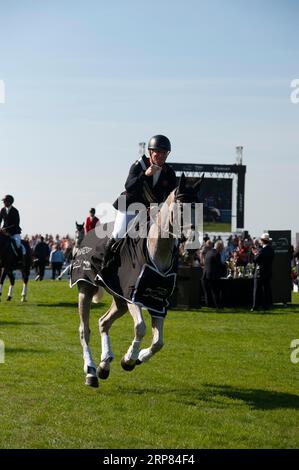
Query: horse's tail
x=98 y=296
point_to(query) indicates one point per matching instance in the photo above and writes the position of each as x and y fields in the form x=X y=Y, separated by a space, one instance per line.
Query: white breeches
x=121 y=222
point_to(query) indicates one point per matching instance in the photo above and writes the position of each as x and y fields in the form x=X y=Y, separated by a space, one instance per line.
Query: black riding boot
x=22 y=257
x=109 y=253
x=17 y=251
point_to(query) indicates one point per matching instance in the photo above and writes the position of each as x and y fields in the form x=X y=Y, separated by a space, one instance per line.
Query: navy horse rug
x=130 y=274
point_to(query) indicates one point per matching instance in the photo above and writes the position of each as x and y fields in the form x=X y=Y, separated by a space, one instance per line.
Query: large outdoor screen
x=216 y=195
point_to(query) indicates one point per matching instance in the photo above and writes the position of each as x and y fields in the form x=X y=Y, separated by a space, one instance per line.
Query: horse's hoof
x=91 y=377
x=92 y=381
x=23 y=299
x=126 y=366
x=138 y=362
x=9 y=298
x=103 y=373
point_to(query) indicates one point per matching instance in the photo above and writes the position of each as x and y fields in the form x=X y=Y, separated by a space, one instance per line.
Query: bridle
x=79 y=237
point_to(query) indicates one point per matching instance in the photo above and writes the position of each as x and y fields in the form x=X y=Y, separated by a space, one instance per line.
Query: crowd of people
x=241 y=256
x=237 y=253
x=55 y=251
x=52 y=251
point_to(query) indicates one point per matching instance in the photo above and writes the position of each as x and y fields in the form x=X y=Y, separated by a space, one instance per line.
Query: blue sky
x=86 y=81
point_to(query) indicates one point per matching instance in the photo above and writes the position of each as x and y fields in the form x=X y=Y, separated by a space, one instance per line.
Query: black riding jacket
x=11 y=220
x=140 y=188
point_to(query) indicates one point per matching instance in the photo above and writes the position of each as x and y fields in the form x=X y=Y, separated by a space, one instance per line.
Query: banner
x=281 y=279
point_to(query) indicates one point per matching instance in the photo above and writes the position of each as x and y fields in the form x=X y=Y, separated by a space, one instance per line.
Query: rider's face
x=158 y=157
x=6 y=203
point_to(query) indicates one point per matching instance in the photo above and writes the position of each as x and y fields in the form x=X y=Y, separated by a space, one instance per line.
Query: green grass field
x=211 y=227
x=222 y=380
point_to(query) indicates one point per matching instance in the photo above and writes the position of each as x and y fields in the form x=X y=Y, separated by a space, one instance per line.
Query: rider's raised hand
x=152 y=170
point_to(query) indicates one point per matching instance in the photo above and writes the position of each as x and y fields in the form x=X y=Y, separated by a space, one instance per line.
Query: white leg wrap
x=107 y=354
x=88 y=361
x=24 y=290
x=133 y=351
x=145 y=354
x=10 y=291
x=1 y=285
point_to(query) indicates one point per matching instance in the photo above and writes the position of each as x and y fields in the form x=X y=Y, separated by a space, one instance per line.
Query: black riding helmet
x=8 y=198
x=159 y=142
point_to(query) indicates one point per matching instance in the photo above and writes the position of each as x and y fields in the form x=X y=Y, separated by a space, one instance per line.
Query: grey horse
x=162 y=243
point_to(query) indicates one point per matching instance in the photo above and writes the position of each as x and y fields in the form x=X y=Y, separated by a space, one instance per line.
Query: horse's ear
x=76 y=224
x=83 y=224
x=198 y=183
x=182 y=183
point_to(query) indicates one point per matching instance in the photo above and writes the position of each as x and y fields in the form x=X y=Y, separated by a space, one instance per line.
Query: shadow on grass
x=15 y=323
x=256 y=399
x=290 y=309
x=27 y=350
x=67 y=304
x=59 y=304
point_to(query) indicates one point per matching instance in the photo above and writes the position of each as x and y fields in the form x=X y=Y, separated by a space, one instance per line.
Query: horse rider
x=91 y=220
x=10 y=217
x=150 y=180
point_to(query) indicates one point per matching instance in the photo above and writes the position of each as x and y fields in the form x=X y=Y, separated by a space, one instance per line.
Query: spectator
x=68 y=252
x=91 y=220
x=243 y=253
x=208 y=245
x=56 y=260
x=214 y=269
x=41 y=253
x=263 y=259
